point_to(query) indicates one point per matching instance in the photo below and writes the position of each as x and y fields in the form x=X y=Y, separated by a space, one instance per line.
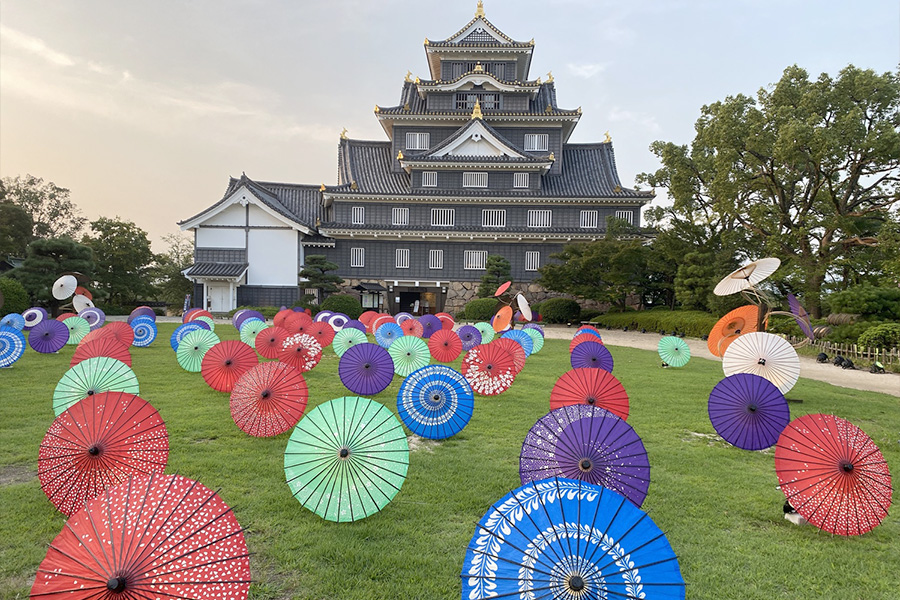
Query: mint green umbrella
x=93 y=376
x=78 y=328
x=487 y=332
x=208 y=321
x=346 y=338
x=409 y=353
x=346 y=459
x=536 y=339
x=193 y=347
x=250 y=328
x=674 y=351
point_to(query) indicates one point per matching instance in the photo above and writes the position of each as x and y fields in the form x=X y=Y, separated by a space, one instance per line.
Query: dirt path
x=888 y=383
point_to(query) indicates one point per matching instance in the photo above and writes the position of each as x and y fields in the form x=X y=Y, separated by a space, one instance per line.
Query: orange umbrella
x=502 y=318
x=740 y=320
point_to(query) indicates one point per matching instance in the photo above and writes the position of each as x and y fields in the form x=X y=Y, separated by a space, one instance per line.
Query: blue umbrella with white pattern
x=435 y=402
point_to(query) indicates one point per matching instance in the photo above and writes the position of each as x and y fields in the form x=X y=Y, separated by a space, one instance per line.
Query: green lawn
x=718 y=505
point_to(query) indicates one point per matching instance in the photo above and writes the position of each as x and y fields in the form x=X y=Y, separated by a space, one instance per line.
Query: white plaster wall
x=219 y=238
x=259 y=217
x=272 y=254
x=231 y=215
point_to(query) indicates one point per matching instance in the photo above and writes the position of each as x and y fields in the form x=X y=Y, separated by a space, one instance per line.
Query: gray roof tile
x=212 y=269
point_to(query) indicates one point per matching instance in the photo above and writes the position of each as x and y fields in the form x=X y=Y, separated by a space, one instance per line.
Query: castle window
x=418 y=141
x=429 y=178
x=400 y=216
x=540 y=218
x=474 y=260
x=479 y=180
x=532 y=261
x=626 y=215
x=357 y=257
x=442 y=217
x=493 y=217
x=358 y=216
x=435 y=259
x=520 y=180
x=487 y=100
x=589 y=219
x=402 y=258
x=537 y=142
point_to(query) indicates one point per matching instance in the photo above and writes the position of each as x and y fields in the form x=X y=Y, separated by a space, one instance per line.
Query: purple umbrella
x=338 y=320
x=801 y=316
x=237 y=321
x=48 y=336
x=355 y=325
x=323 y=315
x=591 y=355
x=33 y=316
x=470 y=337
x=588 y=443
x=366 y=369
x=430 y=324
x=533 y=326
x=402 y=316
x=141 y=311
x=94 y=316
x=748 y=411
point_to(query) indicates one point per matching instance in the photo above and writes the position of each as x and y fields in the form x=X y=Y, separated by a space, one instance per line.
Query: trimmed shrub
x=868 y=301
x=589 y=313
x=849 y=333
x=480 y=309
x=560 y=310
x=694 y=323
x=267 y=311
x=885 y=336
x=343 y=303
x=15 y=298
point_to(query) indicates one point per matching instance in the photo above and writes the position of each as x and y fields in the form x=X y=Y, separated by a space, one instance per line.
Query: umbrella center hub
x=585 y=465
x=752 y=408
x=367 y=366
x=344 y=452
x=116 y=584
x=590 y=400
x=575 y=583
x=90 y=392
x=93 y=450
x=761 y=361
x=847 y=467
x=265 y=394
x=228 y=363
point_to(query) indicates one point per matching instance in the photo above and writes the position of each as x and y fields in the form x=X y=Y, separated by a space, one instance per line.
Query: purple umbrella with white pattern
x=470 y=337
x=33 y=316
x=588 y=443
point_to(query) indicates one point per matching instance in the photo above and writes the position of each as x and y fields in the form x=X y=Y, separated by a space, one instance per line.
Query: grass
x=717 y=504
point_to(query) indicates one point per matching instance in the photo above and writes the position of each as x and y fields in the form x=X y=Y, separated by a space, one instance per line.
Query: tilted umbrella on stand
x=94 y=316
x=162 y=536
x=489 y=369
x=588 y=443
x=90 y=377
x=412 y=328
x=366 y=369
x=746 y=276
x=766 y=355
x=48 y=336
x=301 y=351
x=534 y=326
x=738 y=322
x=537 y=339
x=590 y=386
x=673 y=351
x=64 y=287
x=268 y=399
x=97 y=443
x=470 y=337
x=81 y=302
x=13 y=320
x=569 y=539
x=445 y=345
x=584 y=337
x=238 y=320
x=338 y=320
x=297 y=322
x=748 y=411
x=355 y=324
x=121 y=331
x=225 y=362
x=435 y=402
x=591 y=355
x=12 y=345
x=141 y=311
x=400 y=317
x=515 y=350
x=409 y=353
x=78 y=328
x=833 y=474
x=521 y=338
x=502 y=318
x=250 y=328
x=447 y=321
x=183 y=330
x=346 y=459
x=346 y=338
x=144 y=333
x=193 y=347
x=322 y=332
x=801 y=317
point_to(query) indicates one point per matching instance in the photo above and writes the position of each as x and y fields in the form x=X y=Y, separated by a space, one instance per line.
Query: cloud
x=35 y=46
x=586 y=70
x=648 y=122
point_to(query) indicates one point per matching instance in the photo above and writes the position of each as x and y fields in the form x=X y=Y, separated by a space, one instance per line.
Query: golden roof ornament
x=406 y=107
x=344 y=134
x=426 y=41
x=479 y=10
x=322 y=188
x=538 y=82
x=607 y=139
x=549 y=76
x=478 y=68
x=476 y=112
x=399 y=154
x=549 y=109
x=408 y=76
x=377 y=109
x=417 y=81
x=617 y=189
x=552 y=157
x=353 y=185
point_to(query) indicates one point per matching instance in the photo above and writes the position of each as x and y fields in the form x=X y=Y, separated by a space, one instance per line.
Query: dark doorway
x=410 y=302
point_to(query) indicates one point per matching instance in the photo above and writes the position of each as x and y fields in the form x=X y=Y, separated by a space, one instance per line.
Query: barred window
x=418 y=141
x=435 y=259
x=429 y=178
x=400 y=216
x=471 y=179
x=540 y=218
x=626 y=215
x=359 y=215
x=537 y=142
x=442 y=217
x=532 y=260
x=402 y=258
x=474 y=259
x=520 y=180
x=589 y=219
x=493 y=217
x=487 y=101
x=357 y=257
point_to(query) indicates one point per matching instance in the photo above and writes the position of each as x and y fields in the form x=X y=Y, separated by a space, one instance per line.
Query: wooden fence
x=854 y=351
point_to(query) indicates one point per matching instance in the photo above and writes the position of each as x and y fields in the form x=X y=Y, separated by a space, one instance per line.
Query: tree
x=808 y=169
x=13 y=297
x=166 y=273
x=123 y=257
x=497 y=271
x=52 y=212
x=45 y=261
x=15 y=229
x=316 y=271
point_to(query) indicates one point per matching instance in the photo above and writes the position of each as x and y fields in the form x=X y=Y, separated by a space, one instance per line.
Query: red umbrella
x=367 y=318
x=225 y=362
x=270 y=340
x=515 y=350
x=323 y=332
x=101 y=346
x=162 y=537
x=298 y=322
x=121 y=330
x=268 y=399
x=195 y=314
x=833 y=474
x=445 y=345
x=98 y=443
x=583 y=337
x=381 y=320
x=83 y=291
x=412 y=327
x=280 y=316
x=65 y=316
x=590 y=386
x=489 y=369
x=447 y=321
x=301 y=351
x=94 y=334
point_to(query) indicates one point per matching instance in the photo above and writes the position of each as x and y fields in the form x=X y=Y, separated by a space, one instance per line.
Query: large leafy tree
x=496 y=272
x=166 y=273
x=316 y=270
x=15 y=229
x=124 y=258
x=45 y=261
x=809 y=169
x=52 y=211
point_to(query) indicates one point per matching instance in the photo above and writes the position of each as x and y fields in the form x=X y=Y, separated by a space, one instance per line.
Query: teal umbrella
x=487 y=332
x=93 y=376
x=193 y=347
x=250 y=328
x=537 y=339
x=347 y=338
x=346 y=459
x=409 y=353
x=674 y=351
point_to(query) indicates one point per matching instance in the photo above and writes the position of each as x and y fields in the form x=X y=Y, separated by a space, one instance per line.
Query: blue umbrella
x=12 y=345
x=387 y=333
x=144 y=332
x=183 y=330
x=14 y=320
x=435 y=402
x=522 y=338
x=566 y=538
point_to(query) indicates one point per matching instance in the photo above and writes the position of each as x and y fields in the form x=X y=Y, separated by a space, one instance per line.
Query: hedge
x=480 y=309
x=560 y=310
x=15 y=298
x=267 y=311
x=885 y=336
x=694 y=323
x=343 y=303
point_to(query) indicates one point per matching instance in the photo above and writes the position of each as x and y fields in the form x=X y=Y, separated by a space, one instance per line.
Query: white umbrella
x=765 y=355
x=64 y=287
x=81 y=302
x=747 y=276
x=524 y=307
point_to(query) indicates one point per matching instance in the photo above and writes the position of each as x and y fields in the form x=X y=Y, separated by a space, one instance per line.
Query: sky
x=145 y=109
